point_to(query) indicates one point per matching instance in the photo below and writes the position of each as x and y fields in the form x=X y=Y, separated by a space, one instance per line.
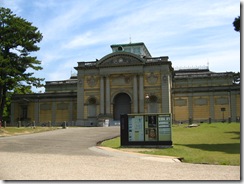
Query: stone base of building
x=99 y=121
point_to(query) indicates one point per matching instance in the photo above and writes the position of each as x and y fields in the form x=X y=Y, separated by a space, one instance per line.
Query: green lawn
x=215 y=143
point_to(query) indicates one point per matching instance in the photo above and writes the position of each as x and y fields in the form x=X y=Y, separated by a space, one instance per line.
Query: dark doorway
x=122 y=105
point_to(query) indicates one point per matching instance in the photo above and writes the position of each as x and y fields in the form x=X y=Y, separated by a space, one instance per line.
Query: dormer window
x=120 y=48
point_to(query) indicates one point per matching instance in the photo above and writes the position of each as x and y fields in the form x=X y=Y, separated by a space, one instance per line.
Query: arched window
x=153 y=99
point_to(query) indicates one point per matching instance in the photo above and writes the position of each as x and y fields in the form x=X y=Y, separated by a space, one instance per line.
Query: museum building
x=130 y=81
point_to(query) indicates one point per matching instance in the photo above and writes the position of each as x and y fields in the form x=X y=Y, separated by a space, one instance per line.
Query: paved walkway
x=72 y=154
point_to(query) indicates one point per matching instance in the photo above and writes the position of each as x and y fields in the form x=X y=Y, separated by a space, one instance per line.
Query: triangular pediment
x=120 y=59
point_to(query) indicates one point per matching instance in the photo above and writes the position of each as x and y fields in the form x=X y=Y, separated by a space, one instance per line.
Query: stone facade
x=130 y=80
x=200 y=95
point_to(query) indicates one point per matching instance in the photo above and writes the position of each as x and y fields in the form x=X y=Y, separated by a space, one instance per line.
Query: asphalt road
x=72 y=154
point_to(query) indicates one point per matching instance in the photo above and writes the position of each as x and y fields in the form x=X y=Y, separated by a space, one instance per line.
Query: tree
x=18 y=39
x=236 y=24
x=236 y=78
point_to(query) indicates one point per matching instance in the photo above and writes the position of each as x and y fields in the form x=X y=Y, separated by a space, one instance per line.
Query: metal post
x=190 y=121
x=223 y=117
x=229 y=119
x=64 y=124
x=19 y=124
x=34 y=124
x=223 y=110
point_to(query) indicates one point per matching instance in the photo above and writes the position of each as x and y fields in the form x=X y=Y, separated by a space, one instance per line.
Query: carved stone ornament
x=92 y=81
x=121 y=60
x=121 y=80
x=128 y=80
x=152 y=78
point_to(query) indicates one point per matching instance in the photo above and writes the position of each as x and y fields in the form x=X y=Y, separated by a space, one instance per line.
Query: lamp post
x=147 y=101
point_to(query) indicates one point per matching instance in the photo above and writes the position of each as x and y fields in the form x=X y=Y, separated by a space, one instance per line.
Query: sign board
x=136 y=128
x=146 y=129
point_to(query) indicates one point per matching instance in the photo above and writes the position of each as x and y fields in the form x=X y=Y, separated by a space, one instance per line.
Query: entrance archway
x=122 y=105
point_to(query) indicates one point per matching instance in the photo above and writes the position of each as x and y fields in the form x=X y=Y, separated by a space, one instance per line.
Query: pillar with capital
x=108 y=103
x=211 y=106
x=166 y=93
x=135 y=94
x=102 y=95
x=141 y=93
x=80 y=101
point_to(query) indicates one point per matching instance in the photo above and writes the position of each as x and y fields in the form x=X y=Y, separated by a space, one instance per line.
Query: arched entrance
x=122 y=105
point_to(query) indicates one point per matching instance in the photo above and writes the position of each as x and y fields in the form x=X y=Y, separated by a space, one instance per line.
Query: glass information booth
x=146 y=129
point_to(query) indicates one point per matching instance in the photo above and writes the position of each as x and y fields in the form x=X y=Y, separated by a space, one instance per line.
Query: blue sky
x=192 y=33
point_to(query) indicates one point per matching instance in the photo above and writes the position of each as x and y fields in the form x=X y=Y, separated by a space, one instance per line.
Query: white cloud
x=217 y=61
x=189 y=32
x=14 y=5
x=81 y=40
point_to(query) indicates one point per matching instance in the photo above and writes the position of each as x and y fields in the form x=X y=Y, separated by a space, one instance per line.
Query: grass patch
x=112 y=143
x=10 y=131
x=216 y=143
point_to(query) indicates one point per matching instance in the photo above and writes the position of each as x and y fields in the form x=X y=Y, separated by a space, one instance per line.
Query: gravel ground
x=25 y=166
x=43 y=157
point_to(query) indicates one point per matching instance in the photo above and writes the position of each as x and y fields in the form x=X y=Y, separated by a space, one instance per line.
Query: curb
x=115 y=152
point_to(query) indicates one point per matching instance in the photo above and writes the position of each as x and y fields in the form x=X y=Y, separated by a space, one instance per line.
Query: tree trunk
x=3 y=92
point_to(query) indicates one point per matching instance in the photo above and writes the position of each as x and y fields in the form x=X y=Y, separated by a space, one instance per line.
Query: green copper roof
x=138 y=48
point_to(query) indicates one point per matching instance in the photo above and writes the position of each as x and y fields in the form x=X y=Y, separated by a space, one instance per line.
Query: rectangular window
x=137 y=50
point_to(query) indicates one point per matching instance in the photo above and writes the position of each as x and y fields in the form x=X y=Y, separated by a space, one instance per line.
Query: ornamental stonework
x=120 y=60
x=121 y=80
x=152 y=78
x=91 y=81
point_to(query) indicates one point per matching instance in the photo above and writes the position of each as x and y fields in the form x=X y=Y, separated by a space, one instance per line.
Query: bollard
x=190 y=121
x=229 y=119
x=209 y=120
x=19 y=124
x=34 y=124
x=64 y=124
x=49 y=123
x=4 y=124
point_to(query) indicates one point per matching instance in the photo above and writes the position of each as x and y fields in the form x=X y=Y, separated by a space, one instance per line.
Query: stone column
x=102 y=95
x=190 y=106
x=166 y=97
x=135 y=94
x=80 y=101
x=141 y=93
x=54 y=109
x=211 y=107
x=107 y=95
x=232 y=106
x=70 y=112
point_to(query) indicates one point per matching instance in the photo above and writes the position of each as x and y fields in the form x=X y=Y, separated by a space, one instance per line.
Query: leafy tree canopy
x=236 y=24
x=18 y=39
